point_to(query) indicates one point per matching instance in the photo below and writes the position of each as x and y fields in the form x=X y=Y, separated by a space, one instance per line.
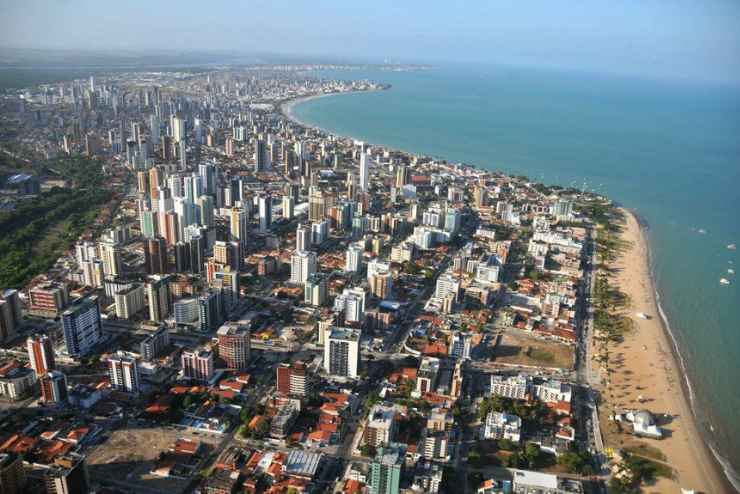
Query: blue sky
x=690 y=39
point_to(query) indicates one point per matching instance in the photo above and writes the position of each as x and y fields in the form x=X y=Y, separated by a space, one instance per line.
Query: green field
x=41 y=229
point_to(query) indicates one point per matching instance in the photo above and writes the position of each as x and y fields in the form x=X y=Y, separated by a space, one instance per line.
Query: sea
x=667 y=149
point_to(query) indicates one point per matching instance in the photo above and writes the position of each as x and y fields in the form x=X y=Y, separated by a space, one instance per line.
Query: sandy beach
x=645 y=365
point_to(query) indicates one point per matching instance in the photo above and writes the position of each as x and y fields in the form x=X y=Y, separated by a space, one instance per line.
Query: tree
x=515 y=460
x=506 y=444
x=532 y=454
x=368 y=450
x=187 y=402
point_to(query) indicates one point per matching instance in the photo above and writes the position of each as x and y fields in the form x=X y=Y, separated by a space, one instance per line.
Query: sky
x=687 y=39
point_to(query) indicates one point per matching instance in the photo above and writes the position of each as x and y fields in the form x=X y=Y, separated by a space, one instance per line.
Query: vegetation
x=368 y=450
x=40 y=230
x=577 y=462
x=534 y=413
x=637 y=470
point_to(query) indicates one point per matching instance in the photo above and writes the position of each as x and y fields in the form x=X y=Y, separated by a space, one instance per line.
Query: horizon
x=666 y=40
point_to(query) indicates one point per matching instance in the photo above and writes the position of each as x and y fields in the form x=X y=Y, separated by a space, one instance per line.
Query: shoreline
x=651 y=355
x=712 y=474
x=286 y=106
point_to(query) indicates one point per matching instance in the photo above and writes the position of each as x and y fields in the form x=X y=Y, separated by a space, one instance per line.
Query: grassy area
x=521 y=349
x=541 y=355
x=646 y=451
x=41 y=229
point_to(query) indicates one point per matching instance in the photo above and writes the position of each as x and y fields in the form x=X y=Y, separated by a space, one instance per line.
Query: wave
x=730 y=473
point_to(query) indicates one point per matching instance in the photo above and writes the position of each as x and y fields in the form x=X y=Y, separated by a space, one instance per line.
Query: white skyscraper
x=302 y=265
x=352 y=302
x=288 y=207
x=178 y=129
x=265 y=211
x=342 y=352
x=124 y=373
x=354 y=258
x=239 y=229
x=364 y=172
x=302 y=238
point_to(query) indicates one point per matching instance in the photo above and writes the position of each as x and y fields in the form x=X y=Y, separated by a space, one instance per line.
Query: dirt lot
x=127 y=458
x=521 y=349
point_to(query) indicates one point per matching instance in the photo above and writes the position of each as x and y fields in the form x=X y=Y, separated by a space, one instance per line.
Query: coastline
x=700 y=468
x=286 y=107
x=647 y=364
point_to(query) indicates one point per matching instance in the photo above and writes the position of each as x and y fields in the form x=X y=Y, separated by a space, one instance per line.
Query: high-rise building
x=452 y=220
x=110 y=254
x=158 y=298
x=353 y=261
x=227 y=280
x=239 y=226
x=446 y=285
x=386 y=469
x=68 y=475
x=82 y=327
x=178 y=129
x=210 y=310
x=352 y=303
x=314 y=290
x=197 y=364
x=265 y=212
x=124 y=373
x=47 y=299
x=129 y=301
x=208 y=173
x=317 y=204
x=40 y=354
x=205 y=208
x=182 y=257
x=233 y=345
x=302 y=265
x=149 y=223
x=402 y=176
x=381 y=426
x=288 y=207
x=12 y=473
x=364 y=172
x=319 y=232
x=155 y=344
x=197 y=247
x=261 y=156
x=302 y=238
x=460 y=347
x=11 y=315
x=381 y=285
x=342 y=352
x=291 y=379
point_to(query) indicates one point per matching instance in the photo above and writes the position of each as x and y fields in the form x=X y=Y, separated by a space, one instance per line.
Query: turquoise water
x=671 y=151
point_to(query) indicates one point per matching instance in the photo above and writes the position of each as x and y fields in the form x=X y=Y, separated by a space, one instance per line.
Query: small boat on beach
x=642 y=315
x=724 y=281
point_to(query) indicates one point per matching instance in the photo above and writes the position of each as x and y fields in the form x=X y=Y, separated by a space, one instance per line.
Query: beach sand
x=643 y=364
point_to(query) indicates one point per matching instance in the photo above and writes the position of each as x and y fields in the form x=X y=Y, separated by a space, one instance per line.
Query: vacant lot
x=522 y=349
x=127 y=458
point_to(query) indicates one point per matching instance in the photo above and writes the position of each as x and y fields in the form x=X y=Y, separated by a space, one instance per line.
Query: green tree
x=532 y=454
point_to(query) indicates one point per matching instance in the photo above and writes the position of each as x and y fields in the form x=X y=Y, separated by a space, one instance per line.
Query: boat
x=731 y=271
x=724 y=281
x=642 y=315
x=701 y=231
x=732 y=247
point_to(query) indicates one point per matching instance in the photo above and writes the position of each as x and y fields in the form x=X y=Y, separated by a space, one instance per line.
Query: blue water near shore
x=668 y=150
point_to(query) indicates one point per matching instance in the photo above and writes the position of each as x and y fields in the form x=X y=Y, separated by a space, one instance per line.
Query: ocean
x=669 y=150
